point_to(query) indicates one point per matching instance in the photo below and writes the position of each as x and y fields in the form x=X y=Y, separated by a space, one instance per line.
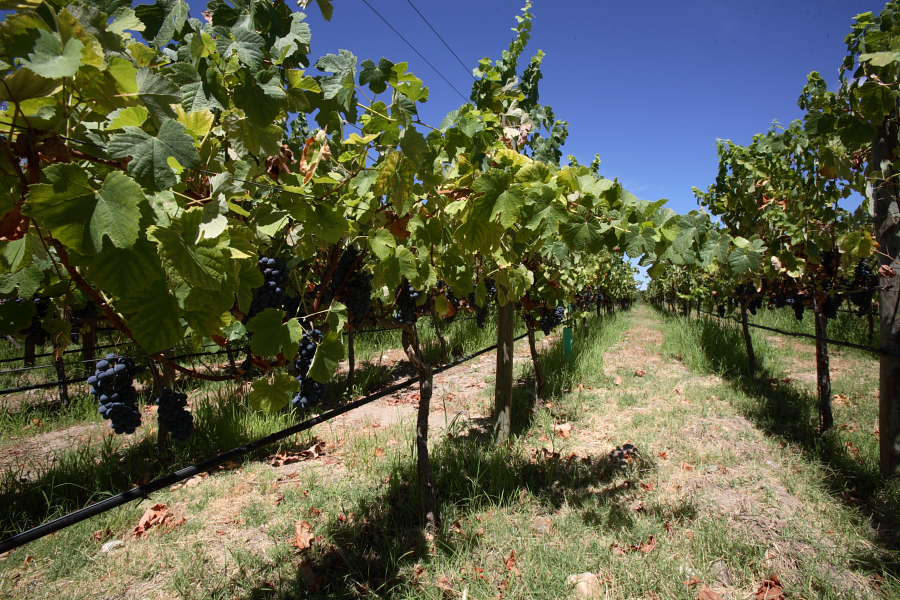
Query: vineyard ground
x=729 y=491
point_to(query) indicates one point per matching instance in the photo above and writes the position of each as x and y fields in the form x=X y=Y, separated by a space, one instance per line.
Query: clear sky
x=649 y=85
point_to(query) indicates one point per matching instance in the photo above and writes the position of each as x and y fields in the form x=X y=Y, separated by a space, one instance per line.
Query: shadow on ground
x=374 y=553
x=791 y=414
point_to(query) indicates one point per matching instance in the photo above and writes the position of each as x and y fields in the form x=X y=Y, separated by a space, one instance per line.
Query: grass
x=847 y=327
x=710 y=497
x=846 y=458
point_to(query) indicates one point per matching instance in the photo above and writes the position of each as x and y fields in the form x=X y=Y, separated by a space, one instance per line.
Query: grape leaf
x=149 y=154
x=329 y=353
x=69 y=203
x=51 y=58
x=271 y=337
x=273 y=394
x=152 y=315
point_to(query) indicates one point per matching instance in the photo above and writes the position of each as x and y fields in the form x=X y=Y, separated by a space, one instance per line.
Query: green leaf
x=329 y=353
x=341 y=85
x=117 y=214
x=122 y=272
x=15 y=316
x=157 y=93
x=25 y=84
x=248 y=45
x=880 y=59
x=133 y=116
x=271 y=337
x=149 y=154
x=69 y=203
x=382 y=244
x=152 y=315
x=273 y=394
x=52 y=59
x=163 y=20
x=260 y=100
x=376 y=76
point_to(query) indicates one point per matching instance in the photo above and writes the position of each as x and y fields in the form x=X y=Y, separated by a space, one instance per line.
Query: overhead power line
x=416 y=50
x=440 y=37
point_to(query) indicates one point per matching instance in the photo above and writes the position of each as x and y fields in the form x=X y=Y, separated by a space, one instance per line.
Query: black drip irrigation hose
x=809 y=336
x=142 y=491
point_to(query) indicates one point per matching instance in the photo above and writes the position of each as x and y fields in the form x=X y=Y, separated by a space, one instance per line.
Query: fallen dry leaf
x=563 y=429
x=649 y=486
x=640 y=373
x=511 y=563
x=102 y=534
x=156 y=516
x=687 y=467
x=693 y=581
x=303 y=535
x=708 y=594
x=663 y=455
x=770 y=589
x=649 y=545
x=379 y=451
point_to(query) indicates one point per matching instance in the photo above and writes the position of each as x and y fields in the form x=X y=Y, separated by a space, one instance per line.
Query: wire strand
x=414 y=49
x=440 y=37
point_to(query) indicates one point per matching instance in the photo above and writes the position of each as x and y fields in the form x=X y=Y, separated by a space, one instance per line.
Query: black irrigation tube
x=810 y=336
x=141 y=491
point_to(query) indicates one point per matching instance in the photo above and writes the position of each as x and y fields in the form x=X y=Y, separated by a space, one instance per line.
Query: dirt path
x=712 y=461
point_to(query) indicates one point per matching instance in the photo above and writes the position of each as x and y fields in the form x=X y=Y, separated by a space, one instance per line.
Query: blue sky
x=649 y=85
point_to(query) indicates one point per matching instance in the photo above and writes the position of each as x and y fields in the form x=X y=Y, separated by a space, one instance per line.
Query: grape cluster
x=112 y=384
x=623 y=454
x=311 y=391
x=863 y=287
x=271 y=293
x=406 y=310
x=551 y=318
x=353 y=287
x=173 y=414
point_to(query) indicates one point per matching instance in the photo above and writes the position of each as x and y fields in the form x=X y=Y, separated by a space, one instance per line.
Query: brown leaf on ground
x=853 y=448
x=640 y=373
x=693 y=581
x=563 y=429
x=443 y=583
x=841 y=400
x=303 y=535
x=510 y=563
x=663 y=455
x=770 y=589
x=156 y=516
x=379 y=452
x=708 y=594
x=687 y=466
x=649 y=486
x=285 y=458
x=649 y=545
x=102 y=534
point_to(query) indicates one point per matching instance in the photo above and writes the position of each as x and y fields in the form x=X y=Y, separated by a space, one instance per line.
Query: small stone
x=587 y=585
x=111 y=545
